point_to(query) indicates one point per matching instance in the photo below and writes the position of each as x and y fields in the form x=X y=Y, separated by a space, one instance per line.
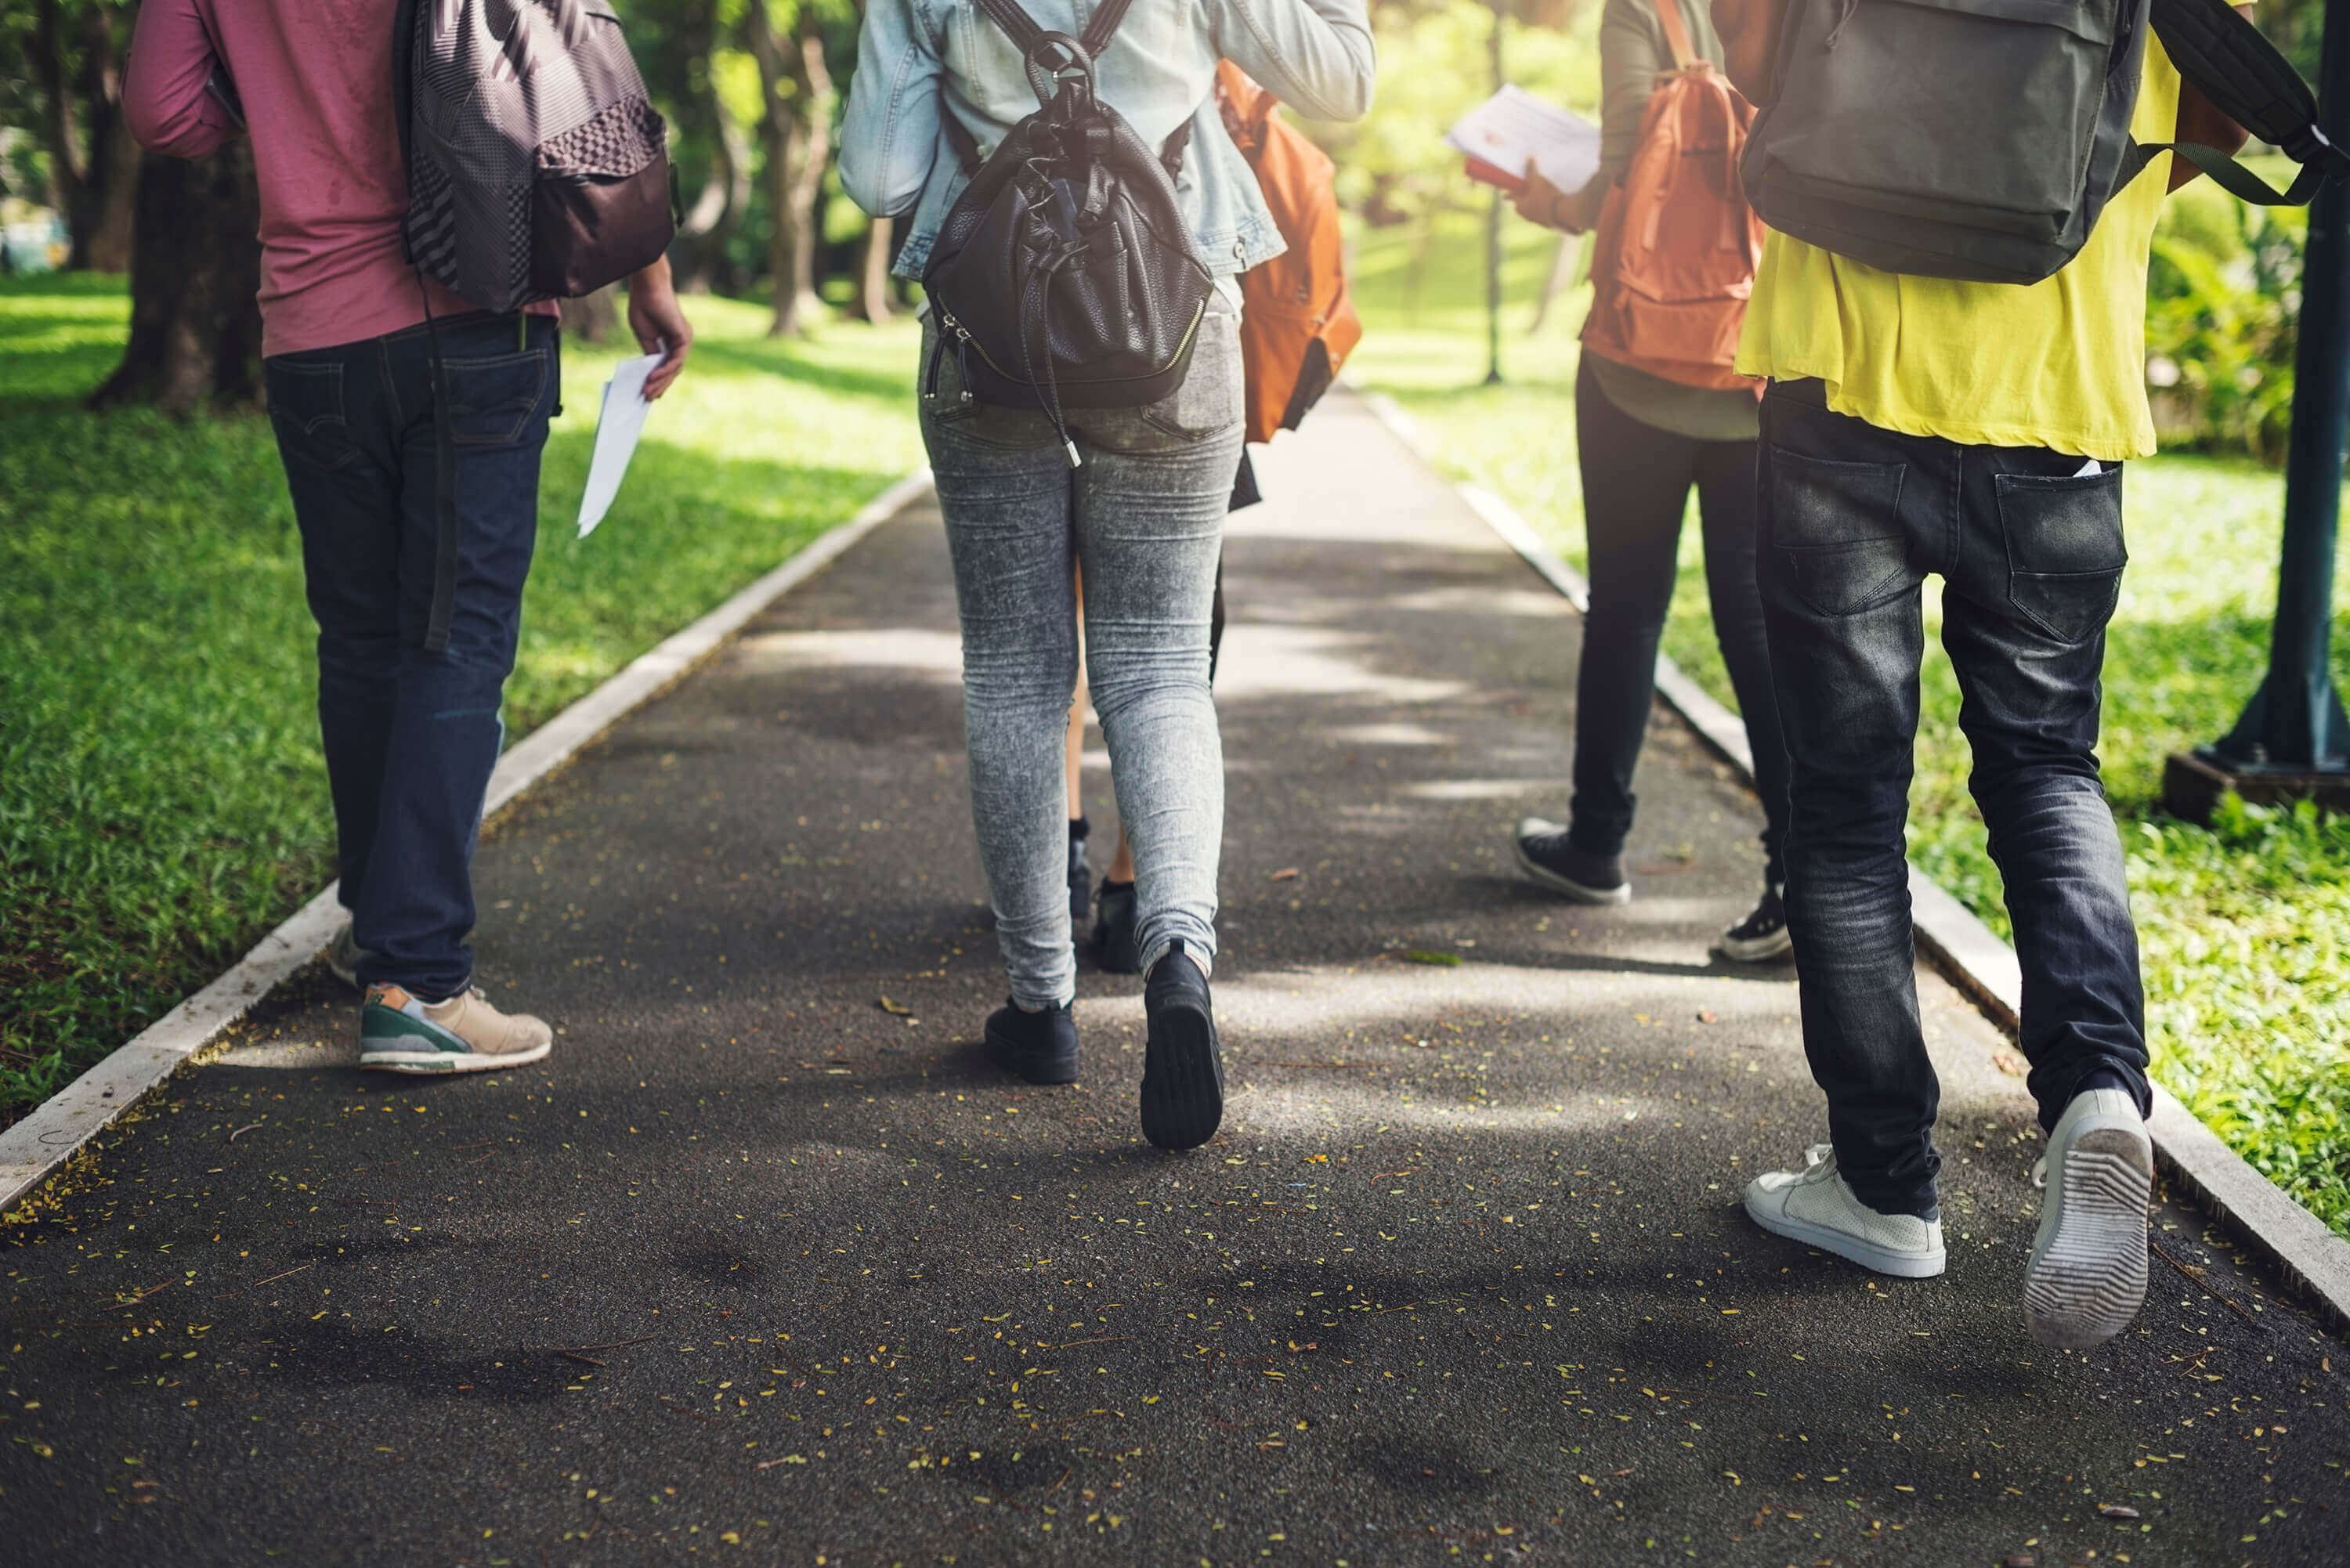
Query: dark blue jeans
x=410 y=737
x=2030 y=551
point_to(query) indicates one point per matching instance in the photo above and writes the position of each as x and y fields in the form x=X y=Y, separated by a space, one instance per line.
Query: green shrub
x=2223 y=300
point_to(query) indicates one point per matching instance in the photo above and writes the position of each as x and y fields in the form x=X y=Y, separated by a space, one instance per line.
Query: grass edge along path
x=2244 y=926
x=162 y=801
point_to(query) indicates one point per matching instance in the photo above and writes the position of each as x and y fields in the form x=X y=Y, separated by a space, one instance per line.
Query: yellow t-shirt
x=2059 y=364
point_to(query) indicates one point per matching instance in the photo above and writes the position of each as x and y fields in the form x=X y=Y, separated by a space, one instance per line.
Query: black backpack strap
x=2249 y=81
x=1170 y=151
x=1024 y=32
x=403 y=85
x=959 y=138
x=1103 y=25
x=1018 y=25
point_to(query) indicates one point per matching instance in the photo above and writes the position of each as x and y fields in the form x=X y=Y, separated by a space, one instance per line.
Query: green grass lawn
x=163 y=798
x=2246 y=926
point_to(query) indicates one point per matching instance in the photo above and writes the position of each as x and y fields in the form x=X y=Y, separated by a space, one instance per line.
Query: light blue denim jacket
x=921 y=59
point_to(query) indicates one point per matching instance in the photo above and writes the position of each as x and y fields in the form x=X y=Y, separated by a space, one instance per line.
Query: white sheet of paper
x=2087 y=469
x=617 y=426
x=1513 y=125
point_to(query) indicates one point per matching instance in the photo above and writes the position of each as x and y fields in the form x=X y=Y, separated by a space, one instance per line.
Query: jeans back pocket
x=1835 y=530
x=305 y=408
x=492 y=401
x=2064 y=550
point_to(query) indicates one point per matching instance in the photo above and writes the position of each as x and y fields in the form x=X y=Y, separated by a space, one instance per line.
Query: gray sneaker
x=343 y=956
x=1818 y=1208
x=2086 y=1278
x=1545 y=857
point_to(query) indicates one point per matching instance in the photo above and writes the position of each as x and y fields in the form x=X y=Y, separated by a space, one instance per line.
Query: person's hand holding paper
x=1514 y=129
x=665 y=335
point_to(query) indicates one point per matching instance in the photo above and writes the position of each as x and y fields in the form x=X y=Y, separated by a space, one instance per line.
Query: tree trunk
x=797 y=133
x=872 y=302
x=93 y=162
x=59 y=135
x=711 y=223
x=594 y=317
x=195 y=268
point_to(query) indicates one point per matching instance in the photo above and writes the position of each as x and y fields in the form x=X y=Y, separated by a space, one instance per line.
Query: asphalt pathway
x=765 y=1265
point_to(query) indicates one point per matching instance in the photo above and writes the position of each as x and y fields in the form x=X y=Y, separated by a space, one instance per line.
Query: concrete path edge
x=45 y=1141
x=2289 y=1236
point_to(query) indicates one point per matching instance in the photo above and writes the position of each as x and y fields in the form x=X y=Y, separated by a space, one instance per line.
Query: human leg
x=337 y=427
x=1728 y=504
x=1151 y=501
x=1850 y=516
x=2024 y=623
x=443 y=730
x=1005 y=490
x=1636 y=483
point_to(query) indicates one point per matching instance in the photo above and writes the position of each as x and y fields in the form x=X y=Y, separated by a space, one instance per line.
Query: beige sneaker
x=404 y=1033
x=1816 y=1207
x=2086 y=1276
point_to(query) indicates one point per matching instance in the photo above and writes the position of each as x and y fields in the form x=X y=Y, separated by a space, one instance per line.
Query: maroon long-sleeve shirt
x=315 y=80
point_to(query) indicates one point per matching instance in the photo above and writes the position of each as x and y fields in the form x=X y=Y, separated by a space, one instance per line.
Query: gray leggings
x=1143 y=516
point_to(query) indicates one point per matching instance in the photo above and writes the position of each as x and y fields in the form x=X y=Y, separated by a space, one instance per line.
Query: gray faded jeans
x=1143 y=516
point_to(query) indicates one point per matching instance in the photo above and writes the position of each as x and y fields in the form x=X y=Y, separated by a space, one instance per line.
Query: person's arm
x=2201 y=120
x=890 y=135
x=1750 y=43
x=1316 y=56
x=1630 y=60
x=658 y=321
x=165 y=100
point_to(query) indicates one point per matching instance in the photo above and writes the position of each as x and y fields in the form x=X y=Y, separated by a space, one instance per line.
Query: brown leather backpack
x=1298 y=324
x=1673 y=265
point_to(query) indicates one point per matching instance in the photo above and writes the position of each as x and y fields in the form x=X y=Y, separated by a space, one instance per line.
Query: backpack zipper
x=946 y=318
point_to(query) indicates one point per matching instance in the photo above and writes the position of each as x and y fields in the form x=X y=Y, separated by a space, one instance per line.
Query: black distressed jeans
x=2030 y=550
x=410 y=735
x=1636 y=485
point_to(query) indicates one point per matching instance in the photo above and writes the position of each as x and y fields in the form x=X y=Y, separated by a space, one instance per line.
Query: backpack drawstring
x=1039 y=279
x=1846 y=11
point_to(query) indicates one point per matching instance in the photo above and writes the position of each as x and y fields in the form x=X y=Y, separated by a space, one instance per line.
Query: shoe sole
x=1003 y=1055
x=1852 y=1248
x=1567 y=885
x=2088 y=1283
x=1756 y=949
x=1182 y=1089
x=442 y=1063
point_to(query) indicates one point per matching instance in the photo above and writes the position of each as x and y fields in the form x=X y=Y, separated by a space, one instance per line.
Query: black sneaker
x=1545 y=857
x=1182 y=1072
x=1114 y=947
x=1081 y=876
x=1040 y=1047
x=1762 y=936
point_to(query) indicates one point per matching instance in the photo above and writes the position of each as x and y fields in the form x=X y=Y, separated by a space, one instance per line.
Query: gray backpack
x=538 y=168
x=1980 y=138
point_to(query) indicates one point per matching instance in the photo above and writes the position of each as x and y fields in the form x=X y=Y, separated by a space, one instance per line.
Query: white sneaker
x=2086 y=1278
x=1816 y=1207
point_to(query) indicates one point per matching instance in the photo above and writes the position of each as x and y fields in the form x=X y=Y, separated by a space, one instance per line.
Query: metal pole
x=1494 y=238
x=2294 y=723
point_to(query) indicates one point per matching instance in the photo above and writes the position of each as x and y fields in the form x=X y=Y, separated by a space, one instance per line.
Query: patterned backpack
x=536 y=167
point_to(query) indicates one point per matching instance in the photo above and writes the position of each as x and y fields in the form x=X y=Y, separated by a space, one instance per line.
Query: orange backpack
x=1673 y=264
x=1297 y=326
